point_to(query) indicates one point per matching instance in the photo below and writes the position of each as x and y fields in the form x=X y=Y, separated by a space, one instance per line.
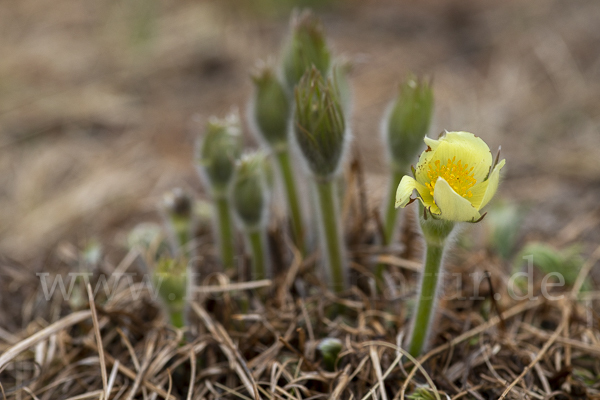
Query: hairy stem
x=426 y=300
x=436 y=233
x=330 y=230
x=285 y=164
x=259 y=267
x=225 y=232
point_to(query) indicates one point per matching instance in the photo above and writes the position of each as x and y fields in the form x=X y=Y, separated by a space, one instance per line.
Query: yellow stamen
x=459 y=176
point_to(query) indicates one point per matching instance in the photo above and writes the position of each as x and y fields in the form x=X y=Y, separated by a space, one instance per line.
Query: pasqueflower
x=454 y=178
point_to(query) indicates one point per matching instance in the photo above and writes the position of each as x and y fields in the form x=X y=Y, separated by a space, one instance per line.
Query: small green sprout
x=330 y=348
x=423 y=393
x=566 y=262
x=220 y=149
x=250 y=198
x=170 y=280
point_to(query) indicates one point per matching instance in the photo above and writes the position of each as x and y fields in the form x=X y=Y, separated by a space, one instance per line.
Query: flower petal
x=484 y=191
x=424 y=159
x=465 y=146
x=404 y=191
x=453 y=207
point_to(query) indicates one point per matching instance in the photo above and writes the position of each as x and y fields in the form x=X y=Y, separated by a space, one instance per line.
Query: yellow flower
x=454 y=178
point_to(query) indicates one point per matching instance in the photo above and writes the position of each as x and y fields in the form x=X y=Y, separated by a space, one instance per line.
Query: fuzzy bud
x=270 y=108
x=178 y=204
x=305 y=48
x=203 y=212
x=249 y=191
x=219 y=151
x=319 y=125
x=408 y=122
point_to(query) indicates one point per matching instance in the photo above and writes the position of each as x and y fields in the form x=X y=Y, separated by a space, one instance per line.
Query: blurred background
x=101 y=102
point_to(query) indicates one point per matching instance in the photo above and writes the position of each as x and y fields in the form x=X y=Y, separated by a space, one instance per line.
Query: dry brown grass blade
x=129 y=347
x=291 y=348
x=542 y=352
x=45 y=333
x=399 y=262
x=516 y=310
x=401 y=352
x=132 y=375
x=576 y=344
x=113 y=376
x=149 y=351
x=230 y=350
x=192 y=373
x=377 y=367
x=233 y=287
x=344 y=379
x=98 y=341
x=96 y=394
x=260 y=362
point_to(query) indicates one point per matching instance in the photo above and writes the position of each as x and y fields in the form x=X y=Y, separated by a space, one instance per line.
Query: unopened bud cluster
x=250 y=191
x=319 y=125
x=306 y=48
x=219 y=150
x=408 y=122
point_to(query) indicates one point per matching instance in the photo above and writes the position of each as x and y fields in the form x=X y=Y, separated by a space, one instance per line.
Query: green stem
x=259 y=267
x=182 y=229
x=435 y=232
x=429 y=281
x=390 y=218
x=285 y=164
x=177 y=319
x=330 y=229
x=226 y=232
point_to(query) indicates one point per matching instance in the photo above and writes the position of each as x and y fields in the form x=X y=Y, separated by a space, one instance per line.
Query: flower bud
x=270 y=108
x=249 y=191
x=305 y=48
x=170 y=280
x=203 y=212
x=408 y=122
x=177 y=205
x=220 y=149
x=330 y=349
x=319 y=126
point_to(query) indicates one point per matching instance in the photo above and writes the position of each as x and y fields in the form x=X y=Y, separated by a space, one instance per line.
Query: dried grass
x=121 y=349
